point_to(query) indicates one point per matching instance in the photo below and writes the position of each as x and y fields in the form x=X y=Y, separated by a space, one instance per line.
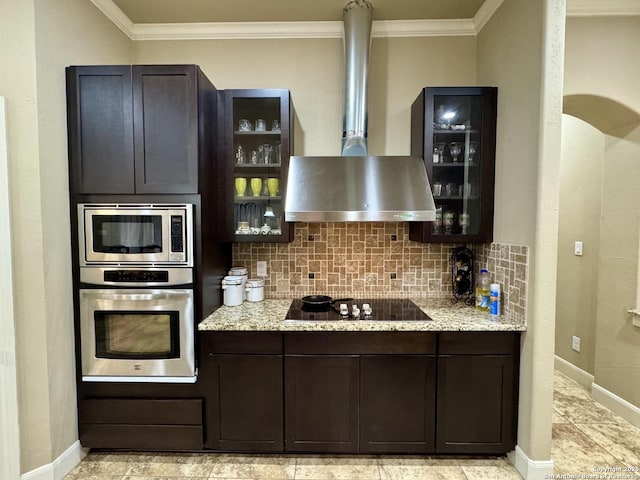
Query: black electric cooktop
x=383 y=309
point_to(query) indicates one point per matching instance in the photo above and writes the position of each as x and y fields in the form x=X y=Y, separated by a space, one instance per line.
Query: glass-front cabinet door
x=453 y=129
x=258 y=145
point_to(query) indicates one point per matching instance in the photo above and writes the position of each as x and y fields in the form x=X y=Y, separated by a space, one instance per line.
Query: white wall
x=520 y=50
x=603 y=60
x=38 y=38
x=313 y=70
x=581 y=167
x=9 y=439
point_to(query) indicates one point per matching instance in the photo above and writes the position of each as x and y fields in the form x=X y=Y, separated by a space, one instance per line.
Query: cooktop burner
x=382 y=309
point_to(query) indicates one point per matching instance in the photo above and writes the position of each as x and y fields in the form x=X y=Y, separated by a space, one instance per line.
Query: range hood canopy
x=357 y=187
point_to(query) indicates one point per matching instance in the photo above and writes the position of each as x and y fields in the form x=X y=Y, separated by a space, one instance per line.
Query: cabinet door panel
x=475 y=404
x=397 y=403
x=244 y=412
x=453 y=129
x=321 y=403
x=257 y=159
x=166 y=129
x=100 y=126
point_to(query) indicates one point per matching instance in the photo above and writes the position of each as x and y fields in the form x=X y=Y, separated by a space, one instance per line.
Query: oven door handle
x=137 y=296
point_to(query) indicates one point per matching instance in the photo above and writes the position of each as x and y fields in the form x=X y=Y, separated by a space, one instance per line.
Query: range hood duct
x=356 y=187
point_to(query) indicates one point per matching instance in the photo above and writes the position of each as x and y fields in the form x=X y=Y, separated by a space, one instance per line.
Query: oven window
x=137 y=334
x=127 y=233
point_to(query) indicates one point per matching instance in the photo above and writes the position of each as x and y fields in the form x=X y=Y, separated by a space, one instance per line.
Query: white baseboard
x=62 y=465
x=530 y=469
x=616 y=404
x=574 y=373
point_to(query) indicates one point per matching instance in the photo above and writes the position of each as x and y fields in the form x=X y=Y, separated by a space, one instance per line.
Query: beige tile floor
x=585 y=436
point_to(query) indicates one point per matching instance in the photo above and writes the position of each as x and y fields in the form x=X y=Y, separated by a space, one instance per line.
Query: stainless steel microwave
x=135 y=235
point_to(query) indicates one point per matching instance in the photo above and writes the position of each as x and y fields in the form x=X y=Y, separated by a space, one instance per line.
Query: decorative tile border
x=375 y=260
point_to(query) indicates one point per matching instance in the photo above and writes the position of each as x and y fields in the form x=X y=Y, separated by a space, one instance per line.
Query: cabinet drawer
x=358 y=343
x=479 y=343
x=258 y=343
x=144 y=437
x=141 y=411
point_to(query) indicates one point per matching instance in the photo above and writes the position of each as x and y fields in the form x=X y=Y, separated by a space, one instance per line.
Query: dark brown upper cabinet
x=258 y=126
x=138 y=128
x=454 y=130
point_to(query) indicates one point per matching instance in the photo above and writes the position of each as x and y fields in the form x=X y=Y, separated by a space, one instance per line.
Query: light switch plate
x=578 y=249
x=575 y=343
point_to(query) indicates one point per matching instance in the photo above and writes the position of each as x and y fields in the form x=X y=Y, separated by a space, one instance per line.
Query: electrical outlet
x=261 y=269
x=575 y=343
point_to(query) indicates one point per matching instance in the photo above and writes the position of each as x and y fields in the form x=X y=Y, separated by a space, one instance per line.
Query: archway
x=600 y=206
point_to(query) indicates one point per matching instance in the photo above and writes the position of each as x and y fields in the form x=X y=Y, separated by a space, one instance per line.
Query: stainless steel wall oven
x=137 y=335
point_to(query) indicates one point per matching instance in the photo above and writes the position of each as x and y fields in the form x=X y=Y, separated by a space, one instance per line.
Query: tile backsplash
x=376 y=260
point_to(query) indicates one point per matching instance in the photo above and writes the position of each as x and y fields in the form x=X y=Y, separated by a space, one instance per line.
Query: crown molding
x=284 y=30
x=117 y=16
x=601 y=8
x=235 y=30
x=484 y=13
x=423 y=28
x=380 y=28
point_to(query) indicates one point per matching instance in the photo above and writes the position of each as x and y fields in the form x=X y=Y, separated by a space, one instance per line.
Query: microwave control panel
x=177 y=234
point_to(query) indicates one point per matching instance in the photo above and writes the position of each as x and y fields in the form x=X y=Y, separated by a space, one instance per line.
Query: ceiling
x=252 y=19
x=191 y=11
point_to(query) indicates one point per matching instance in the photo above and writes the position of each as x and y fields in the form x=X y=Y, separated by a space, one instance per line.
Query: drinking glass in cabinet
x=455 y=148
x=240 y=155
x=448 y=220
x=437 y=225
x=241 y=186
x=471 y=150
x=272 y=186
x=256 y=186
x=465 y=221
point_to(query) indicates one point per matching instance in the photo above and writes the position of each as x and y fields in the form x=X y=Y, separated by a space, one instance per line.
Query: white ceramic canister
x=232 y=287
x=241 y=272
x=255 y=289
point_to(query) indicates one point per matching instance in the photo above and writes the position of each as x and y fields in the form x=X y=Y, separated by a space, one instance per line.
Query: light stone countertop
x=269 y=315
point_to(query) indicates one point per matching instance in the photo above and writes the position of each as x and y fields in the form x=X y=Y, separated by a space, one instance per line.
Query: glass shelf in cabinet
x=254 y=166
x=446 y=131
x=250 y=198
x=259 y=132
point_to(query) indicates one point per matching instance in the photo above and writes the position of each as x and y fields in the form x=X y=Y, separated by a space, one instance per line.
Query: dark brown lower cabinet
x=477 y=392
x=397 y=403
x=241 y=376
x=321 y=403
x=244 y=408
x=360 y=392
x=145 y=424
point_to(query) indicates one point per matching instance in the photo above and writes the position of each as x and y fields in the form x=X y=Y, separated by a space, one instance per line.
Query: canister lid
x=238 y=271
x=232 y=280
x=255 y=282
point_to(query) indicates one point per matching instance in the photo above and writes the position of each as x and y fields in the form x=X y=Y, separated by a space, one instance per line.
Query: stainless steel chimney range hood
x=357 y=187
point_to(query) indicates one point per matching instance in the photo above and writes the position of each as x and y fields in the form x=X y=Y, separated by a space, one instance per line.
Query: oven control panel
x=136 y=277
